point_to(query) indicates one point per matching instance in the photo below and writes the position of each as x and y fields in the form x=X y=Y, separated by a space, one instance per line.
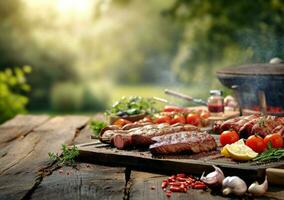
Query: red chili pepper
x=175 y=183
x=164 y=184
x=169 y=194
x=199 y=186
x=181 y=175
x=177 y=189
x=181 y=179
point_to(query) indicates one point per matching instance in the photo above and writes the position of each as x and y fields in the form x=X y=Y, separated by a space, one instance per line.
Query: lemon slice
x=225 y=152
x=239 y=151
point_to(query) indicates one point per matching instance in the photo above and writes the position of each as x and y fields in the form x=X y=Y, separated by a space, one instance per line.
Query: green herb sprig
x=270 y=155
x=131 y=106
x=67 y=157
x=97 y=126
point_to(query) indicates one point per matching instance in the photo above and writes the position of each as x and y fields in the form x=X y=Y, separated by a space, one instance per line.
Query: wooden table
x=26 y=172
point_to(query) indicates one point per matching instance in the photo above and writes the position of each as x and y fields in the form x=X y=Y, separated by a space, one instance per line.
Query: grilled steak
x=143 y=136
x=185 y=141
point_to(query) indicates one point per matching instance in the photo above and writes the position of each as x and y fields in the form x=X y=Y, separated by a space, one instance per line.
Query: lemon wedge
x=225 y=152
x=239 y=151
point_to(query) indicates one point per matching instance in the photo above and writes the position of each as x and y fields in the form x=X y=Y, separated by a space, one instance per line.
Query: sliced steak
x=186 y=141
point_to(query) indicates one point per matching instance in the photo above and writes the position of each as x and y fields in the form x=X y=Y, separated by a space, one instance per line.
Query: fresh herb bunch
x=67 y=157
x=132 y=105
x=271 y=154
x=97 y=126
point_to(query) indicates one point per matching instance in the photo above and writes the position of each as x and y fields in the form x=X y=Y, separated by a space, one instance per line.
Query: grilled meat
x=185 y=141
x=252 y=124
x=143 y=136
x=265 y=125
x=140 y=135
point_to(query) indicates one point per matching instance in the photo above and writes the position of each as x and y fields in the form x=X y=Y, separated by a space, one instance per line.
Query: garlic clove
x=214 y=179
x=235 y=185
x=258 y=190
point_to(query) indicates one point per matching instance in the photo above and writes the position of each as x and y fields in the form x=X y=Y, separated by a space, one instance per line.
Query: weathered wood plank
x=197 y=163
x=29 y=154
x=141 y=183
x=84 y=136
x=88 y=182
x=20 y=126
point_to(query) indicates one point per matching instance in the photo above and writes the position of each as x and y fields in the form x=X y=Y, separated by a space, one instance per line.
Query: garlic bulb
x=258 y=190
x=213 y=179
x=234 y=185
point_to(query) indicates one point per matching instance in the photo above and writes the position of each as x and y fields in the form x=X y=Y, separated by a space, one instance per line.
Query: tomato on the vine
x=275 y=139
x=178 y=119
x=229 y=137
x=193 y=119
x=163 y=119
x=256 y=143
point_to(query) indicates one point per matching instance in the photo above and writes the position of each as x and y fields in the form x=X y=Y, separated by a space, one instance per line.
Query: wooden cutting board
x=99 y=153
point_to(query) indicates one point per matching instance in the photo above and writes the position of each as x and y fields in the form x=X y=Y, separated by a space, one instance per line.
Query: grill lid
x=275 y=67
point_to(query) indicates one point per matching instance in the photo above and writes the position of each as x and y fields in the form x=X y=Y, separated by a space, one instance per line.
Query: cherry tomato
x=164 y=119
x=169 y=108
x=256 y=143
x=147 y=119
x=178 y=119
x=229 y=137
x=193 y=119
x=204 y=115
x=275 y=139
x=121 y=122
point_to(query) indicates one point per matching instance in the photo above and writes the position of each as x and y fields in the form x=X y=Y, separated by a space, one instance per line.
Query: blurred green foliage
x=83 y=59
x=221 y=33
x=70 y=97
x=13 y=86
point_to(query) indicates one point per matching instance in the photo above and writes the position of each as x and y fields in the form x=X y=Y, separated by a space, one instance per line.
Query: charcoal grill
x=258 y=87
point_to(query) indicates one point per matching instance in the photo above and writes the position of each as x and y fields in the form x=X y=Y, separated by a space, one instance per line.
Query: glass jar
x=216 y=102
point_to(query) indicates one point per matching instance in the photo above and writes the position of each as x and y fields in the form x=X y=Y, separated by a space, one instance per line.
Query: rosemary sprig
x=67 y=157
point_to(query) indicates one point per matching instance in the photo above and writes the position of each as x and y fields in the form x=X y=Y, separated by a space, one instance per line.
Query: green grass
x=158 y=91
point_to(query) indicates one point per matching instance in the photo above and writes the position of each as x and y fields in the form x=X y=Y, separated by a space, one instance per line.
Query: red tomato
x=204 y=115
x=147 y=119
x=275 y=139
x=229 y=137
x=256 y=143
x=178 y=119
x=164 y=119
x=121 y=122
x=169 y=108
x=193 y=119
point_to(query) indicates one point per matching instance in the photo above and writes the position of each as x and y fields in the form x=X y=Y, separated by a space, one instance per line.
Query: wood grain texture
x=87 y=182
x=21 y=165
x=21 y=125
x=141 y=184
x=194 y=163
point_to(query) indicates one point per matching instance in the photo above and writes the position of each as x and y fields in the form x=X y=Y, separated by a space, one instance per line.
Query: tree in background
x=221 y=33
x=13 y=89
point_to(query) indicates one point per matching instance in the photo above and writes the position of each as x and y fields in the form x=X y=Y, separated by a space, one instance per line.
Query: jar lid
x=216 y=92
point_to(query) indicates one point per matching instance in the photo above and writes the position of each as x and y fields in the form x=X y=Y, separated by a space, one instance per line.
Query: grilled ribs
x=252 y=124
x=186 y=141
